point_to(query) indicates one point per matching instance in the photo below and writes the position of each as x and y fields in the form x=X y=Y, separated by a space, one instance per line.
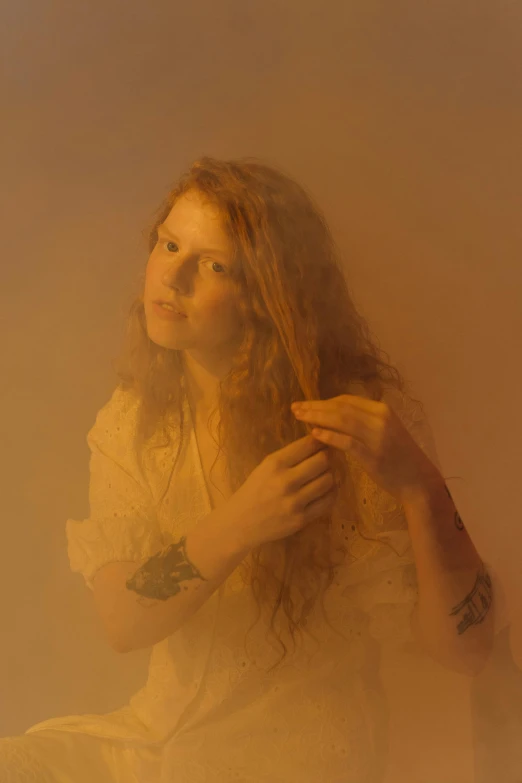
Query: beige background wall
x=404 y=119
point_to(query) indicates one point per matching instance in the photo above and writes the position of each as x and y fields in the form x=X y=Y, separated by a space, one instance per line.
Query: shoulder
x=116 y=420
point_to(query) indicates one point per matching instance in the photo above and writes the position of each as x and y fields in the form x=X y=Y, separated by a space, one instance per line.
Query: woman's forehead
x=193 y=216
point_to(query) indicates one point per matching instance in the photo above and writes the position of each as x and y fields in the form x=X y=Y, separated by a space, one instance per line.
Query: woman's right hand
x=290 y=488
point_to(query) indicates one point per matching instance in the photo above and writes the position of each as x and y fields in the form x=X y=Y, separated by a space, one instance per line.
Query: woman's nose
x=178 y=275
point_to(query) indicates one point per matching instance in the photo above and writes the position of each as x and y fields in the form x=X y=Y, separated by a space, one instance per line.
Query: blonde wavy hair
x=303 y=338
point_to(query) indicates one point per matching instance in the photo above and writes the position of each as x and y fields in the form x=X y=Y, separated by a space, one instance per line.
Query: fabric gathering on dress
x=208 y=711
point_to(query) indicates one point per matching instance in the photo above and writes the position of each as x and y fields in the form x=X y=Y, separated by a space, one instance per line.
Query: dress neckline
x=197 y=456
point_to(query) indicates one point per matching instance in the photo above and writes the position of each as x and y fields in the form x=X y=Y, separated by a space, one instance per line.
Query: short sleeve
x=382 y=580
x=414 y=418
x=122 y=524
x=381 y=516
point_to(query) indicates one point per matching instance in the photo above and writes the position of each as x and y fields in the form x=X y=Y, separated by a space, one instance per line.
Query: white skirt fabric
x=53 y=756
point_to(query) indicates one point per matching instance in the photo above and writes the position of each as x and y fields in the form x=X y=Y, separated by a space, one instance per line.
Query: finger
x=354 y=426
x=357 y=403
x=295 y=452
x=335 y=439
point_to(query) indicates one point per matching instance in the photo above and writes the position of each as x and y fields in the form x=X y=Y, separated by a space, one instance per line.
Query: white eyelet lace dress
x=210 y=713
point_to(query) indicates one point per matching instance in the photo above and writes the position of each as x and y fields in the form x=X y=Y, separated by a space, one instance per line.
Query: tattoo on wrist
x=160 y=577
x=459 y=524
x=475 y=606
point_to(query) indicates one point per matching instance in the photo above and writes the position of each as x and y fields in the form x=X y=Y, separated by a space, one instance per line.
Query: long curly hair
x=303 y=338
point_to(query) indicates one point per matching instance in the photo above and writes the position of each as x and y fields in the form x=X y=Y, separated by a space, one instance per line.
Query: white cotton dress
x=209 y=711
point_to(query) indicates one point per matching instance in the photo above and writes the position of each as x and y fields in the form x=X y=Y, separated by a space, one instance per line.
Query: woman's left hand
x=373 y=433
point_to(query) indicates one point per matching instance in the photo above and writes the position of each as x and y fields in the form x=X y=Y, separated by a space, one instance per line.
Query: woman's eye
x=173 y=248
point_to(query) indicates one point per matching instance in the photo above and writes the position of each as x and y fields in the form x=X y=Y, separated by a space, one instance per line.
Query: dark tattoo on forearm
x=459 y=524
x=160 y=576
x=475 y=606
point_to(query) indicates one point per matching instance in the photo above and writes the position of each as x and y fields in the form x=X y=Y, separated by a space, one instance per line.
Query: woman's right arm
x=142 y=604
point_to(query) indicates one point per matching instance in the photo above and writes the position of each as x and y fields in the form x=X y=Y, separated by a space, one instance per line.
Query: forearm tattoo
x=475 y=606
x=160 y=577
x=459 y=524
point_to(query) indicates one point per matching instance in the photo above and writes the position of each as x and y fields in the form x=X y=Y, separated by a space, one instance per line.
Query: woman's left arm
x=454 y=616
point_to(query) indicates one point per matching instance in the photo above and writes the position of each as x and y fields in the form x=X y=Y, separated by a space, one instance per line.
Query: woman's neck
x=202 y=386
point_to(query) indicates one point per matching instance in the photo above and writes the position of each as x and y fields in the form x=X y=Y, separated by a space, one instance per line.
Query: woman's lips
x=168 y=315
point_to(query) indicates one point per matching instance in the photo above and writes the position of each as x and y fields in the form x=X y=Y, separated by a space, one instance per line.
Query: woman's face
x=190 y=267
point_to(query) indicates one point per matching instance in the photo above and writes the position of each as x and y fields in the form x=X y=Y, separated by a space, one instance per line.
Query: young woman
x=226 y=527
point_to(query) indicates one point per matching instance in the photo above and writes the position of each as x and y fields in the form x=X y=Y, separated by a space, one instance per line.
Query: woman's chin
x=164 y=341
